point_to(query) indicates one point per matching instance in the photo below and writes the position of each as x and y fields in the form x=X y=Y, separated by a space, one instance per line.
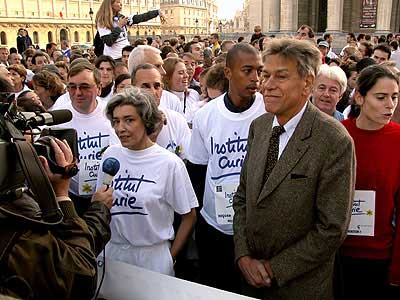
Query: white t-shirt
x=29 y=75
x=149 y=187
x=189 y=103
x=396 y=57
x=342 y=52
x=108 y=96
x=175 y=134
x=115 y=51
x=94 y=133
x=62 y=102
x=332 y=54
x=170 y=101
x=24 y=88
x=219 y=140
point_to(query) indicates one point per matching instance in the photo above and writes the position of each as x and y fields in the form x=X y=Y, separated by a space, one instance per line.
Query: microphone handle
x=107 y=179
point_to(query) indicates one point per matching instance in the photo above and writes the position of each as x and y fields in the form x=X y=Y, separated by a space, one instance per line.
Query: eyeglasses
x=83 y=87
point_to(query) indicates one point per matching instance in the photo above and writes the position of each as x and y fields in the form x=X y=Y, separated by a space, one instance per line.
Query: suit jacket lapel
x=258 y=162
x=294 y=151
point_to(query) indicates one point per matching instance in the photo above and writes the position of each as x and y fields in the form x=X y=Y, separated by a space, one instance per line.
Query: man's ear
x=358 y=98
x=228 y=73
x=99 y=90
x=309 y=84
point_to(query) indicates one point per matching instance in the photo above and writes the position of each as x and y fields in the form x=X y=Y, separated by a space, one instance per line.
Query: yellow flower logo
x=87 y=188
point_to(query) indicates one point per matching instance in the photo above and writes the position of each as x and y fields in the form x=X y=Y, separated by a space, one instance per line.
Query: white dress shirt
x=290 y=127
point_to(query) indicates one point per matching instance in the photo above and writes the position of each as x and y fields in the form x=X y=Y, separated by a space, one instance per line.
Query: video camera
x=19 y=166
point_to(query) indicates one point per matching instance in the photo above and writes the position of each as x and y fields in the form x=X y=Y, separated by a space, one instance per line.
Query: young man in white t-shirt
x=218 y=146
x=93 y=129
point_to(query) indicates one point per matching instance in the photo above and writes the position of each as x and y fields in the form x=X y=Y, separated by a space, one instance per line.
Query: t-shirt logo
x=126 y=187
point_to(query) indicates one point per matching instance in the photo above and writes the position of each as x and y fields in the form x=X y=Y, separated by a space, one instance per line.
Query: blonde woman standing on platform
x=112 y=26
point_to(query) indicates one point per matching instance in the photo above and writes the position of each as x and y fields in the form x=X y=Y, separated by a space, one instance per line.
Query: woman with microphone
x=151 y=184
x=111 y=26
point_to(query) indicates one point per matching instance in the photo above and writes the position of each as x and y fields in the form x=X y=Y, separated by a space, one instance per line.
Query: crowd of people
x=254 y=166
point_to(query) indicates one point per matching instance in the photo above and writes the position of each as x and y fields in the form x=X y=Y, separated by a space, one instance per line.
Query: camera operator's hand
x=103 y=195
x=63 y=157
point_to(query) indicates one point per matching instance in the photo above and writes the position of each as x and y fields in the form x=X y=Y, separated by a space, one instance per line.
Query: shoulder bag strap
x=38 y=182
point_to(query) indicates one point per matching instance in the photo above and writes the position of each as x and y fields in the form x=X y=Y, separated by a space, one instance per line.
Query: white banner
x=224 y=203
x=362 y=222
x=127 y=282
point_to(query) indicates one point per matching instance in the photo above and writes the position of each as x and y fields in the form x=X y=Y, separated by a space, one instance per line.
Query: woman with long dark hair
x=370 y=255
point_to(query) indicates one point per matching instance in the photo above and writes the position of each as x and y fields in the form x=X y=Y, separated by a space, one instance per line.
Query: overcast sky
x=228 y=8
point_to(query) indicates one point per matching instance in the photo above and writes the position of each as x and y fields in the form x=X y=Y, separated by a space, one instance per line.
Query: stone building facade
x=190 y=16
x=373 y=16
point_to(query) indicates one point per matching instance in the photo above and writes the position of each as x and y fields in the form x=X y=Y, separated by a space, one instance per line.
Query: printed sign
x=224 y=203
x=369 y=9
x=362 y=221
x=88 y=170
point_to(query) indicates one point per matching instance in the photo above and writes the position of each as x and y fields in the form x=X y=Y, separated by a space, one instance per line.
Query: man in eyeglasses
x=93 y=129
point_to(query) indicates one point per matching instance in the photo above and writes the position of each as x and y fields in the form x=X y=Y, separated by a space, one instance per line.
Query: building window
x=145 y=33
x=49 y=37
x=3 y=38
x=35 y=37
x=63 y=35
x=76 y=36
x=88 y=37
